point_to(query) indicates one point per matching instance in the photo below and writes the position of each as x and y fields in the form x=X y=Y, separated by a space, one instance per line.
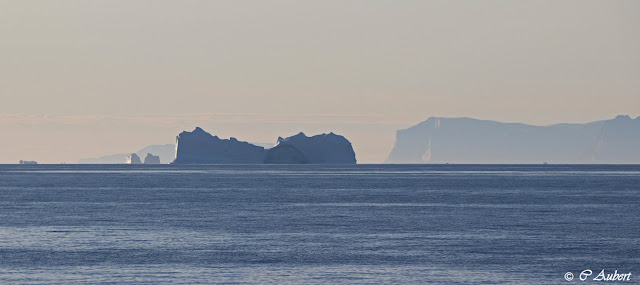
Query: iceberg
x=167 y=153
x=319 y=149
x=467 y=140
x=132 y=159
x=285 y=154
x=200 y=147
x=151 y=159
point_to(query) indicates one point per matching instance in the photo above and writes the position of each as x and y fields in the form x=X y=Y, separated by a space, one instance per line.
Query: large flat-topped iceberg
x=320 y=149
x=466 y=140
x=200 y=147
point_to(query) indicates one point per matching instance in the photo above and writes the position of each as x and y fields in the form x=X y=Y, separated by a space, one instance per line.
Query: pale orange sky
x=90 y=78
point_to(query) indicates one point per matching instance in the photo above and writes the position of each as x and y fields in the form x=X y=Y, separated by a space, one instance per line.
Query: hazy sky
x=90 y=78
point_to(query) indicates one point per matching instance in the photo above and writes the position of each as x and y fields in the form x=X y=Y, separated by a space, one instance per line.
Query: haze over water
x=81 y=79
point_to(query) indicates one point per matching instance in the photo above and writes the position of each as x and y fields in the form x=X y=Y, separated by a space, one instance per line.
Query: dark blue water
x=444 y=224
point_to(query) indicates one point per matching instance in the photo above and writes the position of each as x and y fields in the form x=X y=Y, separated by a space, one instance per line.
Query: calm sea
x=442 y=224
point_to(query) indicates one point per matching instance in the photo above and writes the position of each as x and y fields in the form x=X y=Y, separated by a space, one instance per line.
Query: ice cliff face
x=200 y=147
x=320 y=149
x=151 y=159
x=466 y=140
x=132 y=159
